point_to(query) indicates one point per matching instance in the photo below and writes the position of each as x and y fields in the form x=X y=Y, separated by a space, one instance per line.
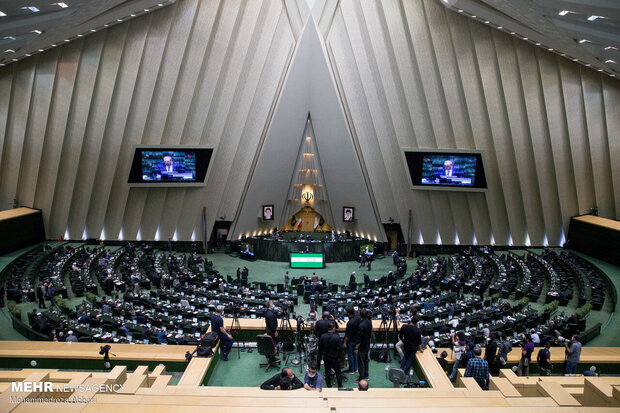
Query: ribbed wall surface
x=197 y=72
x=414 y=74
x=411 y=74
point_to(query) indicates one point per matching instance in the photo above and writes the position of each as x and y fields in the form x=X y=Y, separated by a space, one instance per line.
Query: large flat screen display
x=307 y=260
x=170 y=165
x=445 y=169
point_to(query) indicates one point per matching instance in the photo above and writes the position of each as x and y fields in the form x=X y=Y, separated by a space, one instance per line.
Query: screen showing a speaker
x=170 y=165
x=446 y=169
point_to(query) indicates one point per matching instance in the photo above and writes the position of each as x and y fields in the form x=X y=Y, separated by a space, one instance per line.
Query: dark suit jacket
x=176 y=167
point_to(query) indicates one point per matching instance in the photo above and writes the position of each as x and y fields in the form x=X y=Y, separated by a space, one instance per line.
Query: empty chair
x=267 y=347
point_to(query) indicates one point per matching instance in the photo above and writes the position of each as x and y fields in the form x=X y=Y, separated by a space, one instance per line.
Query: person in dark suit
x=351 y=339
x=366 y=280
x=322 y=326
x=285 y=380
x=362 y=349
x=271 y=322
x=446 y=171
x=167 y=166
x=490 y=354
x=329 y=350
x=41 y=295
x=411 y=336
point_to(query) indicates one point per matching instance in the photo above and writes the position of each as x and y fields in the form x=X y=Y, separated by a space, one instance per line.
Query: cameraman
x=573 y=353
x=217 y=326
x=322 y=326
x=544 y=360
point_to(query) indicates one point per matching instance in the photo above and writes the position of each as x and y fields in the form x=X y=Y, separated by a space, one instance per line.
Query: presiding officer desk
x=150 y=390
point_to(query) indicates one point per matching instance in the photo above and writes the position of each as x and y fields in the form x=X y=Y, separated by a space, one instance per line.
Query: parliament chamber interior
x=309 y=205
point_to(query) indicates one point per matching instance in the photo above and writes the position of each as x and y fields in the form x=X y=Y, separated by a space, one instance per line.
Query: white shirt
x=535 y=338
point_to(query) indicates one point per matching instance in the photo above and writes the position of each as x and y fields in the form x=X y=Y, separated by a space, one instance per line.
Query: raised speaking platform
x=280 y=250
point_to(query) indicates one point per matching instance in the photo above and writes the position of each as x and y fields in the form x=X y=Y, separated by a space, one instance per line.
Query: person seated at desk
x=285 y=380
x=313 y=379
x=442 y=360
x=161 y=337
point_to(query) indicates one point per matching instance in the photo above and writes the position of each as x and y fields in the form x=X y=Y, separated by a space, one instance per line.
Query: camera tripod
x=388 y=325
x=235 y=331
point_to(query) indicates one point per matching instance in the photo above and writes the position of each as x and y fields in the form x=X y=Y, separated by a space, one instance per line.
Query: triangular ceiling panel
x=309 y=87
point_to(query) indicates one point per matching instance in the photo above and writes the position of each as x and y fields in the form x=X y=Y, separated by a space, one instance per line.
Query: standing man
x=362 y=348
x=286 y=280
x=573 y=353
x=41 y=295
x=544 y=360
x=271 y=322
x=329 y=350
x=478 y=369
x=411 y=336
x=217 y=326
x=490 y=354
x=526 y=357
x=352 y=281
x=351 y=339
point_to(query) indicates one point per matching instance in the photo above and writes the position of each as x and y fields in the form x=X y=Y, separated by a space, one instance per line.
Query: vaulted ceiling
x=585 y=31
x=32 y=26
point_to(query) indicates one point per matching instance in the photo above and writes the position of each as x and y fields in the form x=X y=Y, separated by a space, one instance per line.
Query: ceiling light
x=473 y=17
x=2 y=14
x=594 y=17
x=40 y=50
x=28 y=55
x=80 y=35
x=611 y=48
x=486 y=22
x=600 y=70
x=499 y=27
x=132 y=15
x=565 y=12
x=512 y=32
x=582 y=41
x=31 y=8
x=106 y=25
x=93 y=30
x=8 y=38
x=550 y=49
x=119 y=20
x=610 y=61
x=537 y=44
x=563 y=54
x=588 y=65
x=36 y=31
x=160 y=4
x=9 y=51
x=525 y=38
x=146 y=10
x=63 y=5
x=575 y=60
x=53 y=45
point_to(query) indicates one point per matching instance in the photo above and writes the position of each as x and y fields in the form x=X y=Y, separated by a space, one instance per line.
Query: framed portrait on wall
x=268 y=212
x=348 y=214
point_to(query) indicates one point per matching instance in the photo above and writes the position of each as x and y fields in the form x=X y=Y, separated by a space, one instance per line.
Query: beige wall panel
x=500 y=171
x=597 y=142
x=611 y=99
x=558 y=132
x=64 y=84
x=521 y=148
x=94 y=134
x=113 y=166
x=540 y=153
x=248 y=119
x=16 y=129
x=37 y=123
x=6 y=84
x=77 y=124
x=572 y=93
